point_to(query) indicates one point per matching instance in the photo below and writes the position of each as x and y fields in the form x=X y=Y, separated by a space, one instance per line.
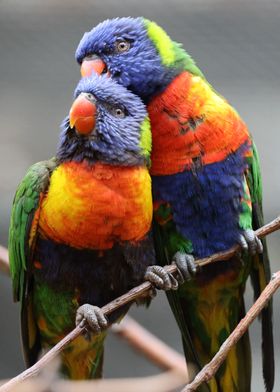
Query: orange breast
x=95 y=206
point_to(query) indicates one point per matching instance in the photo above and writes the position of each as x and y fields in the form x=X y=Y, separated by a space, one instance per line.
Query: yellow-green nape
x=172 y=54
x=146 y=137
x=162 y=42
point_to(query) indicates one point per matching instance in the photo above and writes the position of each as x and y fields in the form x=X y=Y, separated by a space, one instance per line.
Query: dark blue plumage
x=192 y=194
x=64 y=268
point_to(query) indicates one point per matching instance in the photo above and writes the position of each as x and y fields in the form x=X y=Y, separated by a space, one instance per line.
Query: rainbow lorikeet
x=80 y=232
x=207 y=189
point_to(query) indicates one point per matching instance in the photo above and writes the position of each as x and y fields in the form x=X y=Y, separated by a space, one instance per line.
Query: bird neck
x=184 y=62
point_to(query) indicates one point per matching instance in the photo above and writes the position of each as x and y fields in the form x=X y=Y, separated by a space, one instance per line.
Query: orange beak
x=92 y=64
x=82 y=115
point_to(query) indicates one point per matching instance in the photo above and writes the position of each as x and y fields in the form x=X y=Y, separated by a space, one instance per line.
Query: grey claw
x=186 y=266
x=243 y=243
x=92 y=318
x=250 y=242
x=160 y=278
x=152 y=293
x=259 y=245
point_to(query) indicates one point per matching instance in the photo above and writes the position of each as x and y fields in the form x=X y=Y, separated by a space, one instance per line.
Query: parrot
x=207 y=191
x=80 y=231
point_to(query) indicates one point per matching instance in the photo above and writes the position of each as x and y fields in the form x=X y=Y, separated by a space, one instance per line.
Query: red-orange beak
x=93 y=64
x=82 y=115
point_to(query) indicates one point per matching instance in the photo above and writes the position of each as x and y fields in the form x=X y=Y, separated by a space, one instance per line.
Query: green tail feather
x=260 y=272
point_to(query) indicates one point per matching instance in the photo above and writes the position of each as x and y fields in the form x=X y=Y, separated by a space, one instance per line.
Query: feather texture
x=93 y=206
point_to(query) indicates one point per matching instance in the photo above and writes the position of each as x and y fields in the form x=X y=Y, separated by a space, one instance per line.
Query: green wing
x=22 y=238
x=260 y=271
x=254 y=181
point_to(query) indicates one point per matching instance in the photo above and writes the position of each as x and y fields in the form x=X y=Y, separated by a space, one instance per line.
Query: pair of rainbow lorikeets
x=80 y=231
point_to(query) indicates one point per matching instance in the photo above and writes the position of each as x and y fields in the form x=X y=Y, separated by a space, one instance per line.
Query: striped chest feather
x=95 y=206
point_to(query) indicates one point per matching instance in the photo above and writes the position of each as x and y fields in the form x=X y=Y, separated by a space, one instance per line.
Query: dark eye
x=122 y=46
x=118 y=112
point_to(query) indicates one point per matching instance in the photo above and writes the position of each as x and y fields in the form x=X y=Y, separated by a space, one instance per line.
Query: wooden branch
x=50 y=355
x=164 y=382
x=4 y=260
x=127 y=298
x=211 y=368
x=152 y=347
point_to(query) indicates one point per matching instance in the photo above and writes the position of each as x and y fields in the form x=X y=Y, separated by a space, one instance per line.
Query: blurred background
x=235 y=43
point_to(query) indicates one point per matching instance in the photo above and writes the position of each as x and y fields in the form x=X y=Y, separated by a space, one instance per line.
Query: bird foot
x=250 y=242
x=92 y=318
x=186 y=266
x=161 y=279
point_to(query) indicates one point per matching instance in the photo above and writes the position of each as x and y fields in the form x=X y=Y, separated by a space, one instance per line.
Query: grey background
x=236 y=44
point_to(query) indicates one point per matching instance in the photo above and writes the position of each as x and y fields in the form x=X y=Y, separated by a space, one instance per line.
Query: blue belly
x=97 y=277
x=206 y=202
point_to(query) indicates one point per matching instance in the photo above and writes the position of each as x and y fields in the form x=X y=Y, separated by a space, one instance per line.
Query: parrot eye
x=119 y=113
x=122 y=46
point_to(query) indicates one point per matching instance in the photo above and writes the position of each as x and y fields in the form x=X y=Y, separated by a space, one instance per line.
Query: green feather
x=172 y=54
x=146 y=137
x=260 y=272
x=254 y=178
x=25 y=203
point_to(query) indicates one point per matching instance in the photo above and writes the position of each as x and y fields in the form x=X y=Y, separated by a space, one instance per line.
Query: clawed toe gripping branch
x=210 y=369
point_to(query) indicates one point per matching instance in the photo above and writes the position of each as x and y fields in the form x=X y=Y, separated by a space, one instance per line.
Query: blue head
x=106 y=123
x=134 y=51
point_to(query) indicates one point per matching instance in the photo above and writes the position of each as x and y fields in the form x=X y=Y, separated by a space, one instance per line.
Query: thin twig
x=211 y=368
x=127 y=298
x=4 y=260
x=163 y=382
x=152 y=347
